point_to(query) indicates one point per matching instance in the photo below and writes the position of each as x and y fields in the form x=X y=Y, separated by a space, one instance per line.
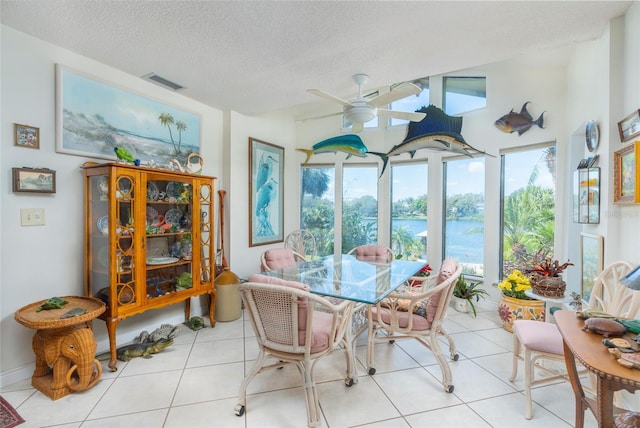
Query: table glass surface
x=345 y=277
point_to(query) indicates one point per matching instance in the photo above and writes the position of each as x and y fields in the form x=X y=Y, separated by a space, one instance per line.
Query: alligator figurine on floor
x=144 y=350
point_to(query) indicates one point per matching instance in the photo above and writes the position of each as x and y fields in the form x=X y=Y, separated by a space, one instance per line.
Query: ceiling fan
x=361 y=110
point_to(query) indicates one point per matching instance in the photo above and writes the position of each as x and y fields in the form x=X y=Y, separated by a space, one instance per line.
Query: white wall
x=45 y=261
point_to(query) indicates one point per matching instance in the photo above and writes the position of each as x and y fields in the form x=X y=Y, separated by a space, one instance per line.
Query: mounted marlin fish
x=518 y=122
x=437 y=131
x=350 y=144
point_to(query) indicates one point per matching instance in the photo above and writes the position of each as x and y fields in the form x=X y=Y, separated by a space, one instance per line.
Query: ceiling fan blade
x=329 y=97
x=405 y=115
x=400 y=92
x=324 y=116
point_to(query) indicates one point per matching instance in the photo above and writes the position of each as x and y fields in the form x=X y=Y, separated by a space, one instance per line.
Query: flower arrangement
x=425 y=271
x=515 y=285
x=548 y=267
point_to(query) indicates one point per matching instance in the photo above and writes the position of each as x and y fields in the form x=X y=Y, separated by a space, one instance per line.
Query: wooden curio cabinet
x=149 y=240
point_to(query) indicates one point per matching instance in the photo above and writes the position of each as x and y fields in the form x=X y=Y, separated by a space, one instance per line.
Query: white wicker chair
x=535 y=341
x=291 y=326
x=302 y=242
x=277 y=258
x=396 y=316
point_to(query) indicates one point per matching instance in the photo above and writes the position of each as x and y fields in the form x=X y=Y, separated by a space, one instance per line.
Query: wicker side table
x=64 y=347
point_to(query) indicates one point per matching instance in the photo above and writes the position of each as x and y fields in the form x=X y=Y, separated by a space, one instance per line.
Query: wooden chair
x=291 y=326
x=537 y=341
x=277 y=258
x=417 y=315
x=373 y=252
x=302 y=242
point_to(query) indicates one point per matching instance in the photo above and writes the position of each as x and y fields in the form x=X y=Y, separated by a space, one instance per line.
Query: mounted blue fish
x=519 y=122
x=350 y=144
x=437 y=131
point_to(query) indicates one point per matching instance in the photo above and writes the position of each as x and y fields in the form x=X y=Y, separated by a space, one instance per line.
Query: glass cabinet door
x=586 y=196
x=168 y=247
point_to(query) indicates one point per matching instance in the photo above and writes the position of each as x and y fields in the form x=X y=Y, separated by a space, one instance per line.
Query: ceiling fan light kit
x=362 y=110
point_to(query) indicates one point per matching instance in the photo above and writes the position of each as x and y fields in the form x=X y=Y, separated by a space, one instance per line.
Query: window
x=413 y=102
x=464 y=214
x=409 y=210
x=528 y=210
x=464 y=94
x=359 y=206
x=318 y=206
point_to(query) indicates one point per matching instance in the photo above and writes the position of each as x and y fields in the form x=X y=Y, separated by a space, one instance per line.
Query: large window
x=409 y=210
x=318 y=206
x=464 y=214
x=463 y=94
x=528 y=210
x=359 y=206
x=413 y=102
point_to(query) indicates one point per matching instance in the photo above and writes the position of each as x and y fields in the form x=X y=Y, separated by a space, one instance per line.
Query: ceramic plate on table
x=161 y=260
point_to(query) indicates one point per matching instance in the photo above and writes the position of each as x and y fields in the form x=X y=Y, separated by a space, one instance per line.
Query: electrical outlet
x=32 y=216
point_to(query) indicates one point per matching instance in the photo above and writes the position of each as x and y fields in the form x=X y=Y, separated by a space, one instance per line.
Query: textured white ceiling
x=256 y=57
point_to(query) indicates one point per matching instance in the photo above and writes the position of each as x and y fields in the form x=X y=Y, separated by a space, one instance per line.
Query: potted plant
x=515 y=304
x=545 y=277
x=464 y=293
x=417 y=279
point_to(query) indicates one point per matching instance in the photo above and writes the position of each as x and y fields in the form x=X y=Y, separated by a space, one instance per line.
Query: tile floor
x=194 y=383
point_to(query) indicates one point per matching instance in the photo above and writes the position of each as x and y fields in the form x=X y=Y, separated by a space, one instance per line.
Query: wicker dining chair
x=535 y=342
x=278 y=258
x=302 y=242
x=373 y=252
x=417 y=315
x=291 y=326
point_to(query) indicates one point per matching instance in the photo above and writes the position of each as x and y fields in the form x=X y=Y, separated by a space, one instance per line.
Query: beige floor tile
x=207 y=383
x=450 y=417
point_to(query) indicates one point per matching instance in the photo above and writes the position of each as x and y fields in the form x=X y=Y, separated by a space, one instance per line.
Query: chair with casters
x=291 y=326
x=419 y=315
x=302 y=242
x=373 y=253
x=278 y=258
x=535 y=342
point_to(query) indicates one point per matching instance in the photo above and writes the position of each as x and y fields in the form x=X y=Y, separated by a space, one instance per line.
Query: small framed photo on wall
x=34 y=180
x=26 y=136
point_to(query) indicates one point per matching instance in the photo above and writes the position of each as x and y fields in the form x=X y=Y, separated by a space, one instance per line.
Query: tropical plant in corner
x=469 y=292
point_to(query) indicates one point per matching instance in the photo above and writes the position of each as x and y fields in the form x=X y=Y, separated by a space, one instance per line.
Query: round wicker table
x=64 y=347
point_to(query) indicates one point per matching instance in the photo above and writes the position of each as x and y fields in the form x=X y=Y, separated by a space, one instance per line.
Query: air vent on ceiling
x=162 y=82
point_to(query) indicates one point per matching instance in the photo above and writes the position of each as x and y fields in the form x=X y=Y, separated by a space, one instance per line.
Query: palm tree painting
x=95 y=116
x=266 y=193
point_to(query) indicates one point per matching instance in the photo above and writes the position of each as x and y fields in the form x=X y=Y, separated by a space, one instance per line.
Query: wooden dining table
x=343 y=276
x=589 y=350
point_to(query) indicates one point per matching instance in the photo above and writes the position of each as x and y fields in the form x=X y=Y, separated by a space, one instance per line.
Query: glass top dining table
x=347 y=277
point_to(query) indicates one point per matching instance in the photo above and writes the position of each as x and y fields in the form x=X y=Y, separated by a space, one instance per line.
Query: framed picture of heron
x=266 y=193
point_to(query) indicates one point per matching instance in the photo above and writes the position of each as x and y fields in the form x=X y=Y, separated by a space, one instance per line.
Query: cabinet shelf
x=115 y=264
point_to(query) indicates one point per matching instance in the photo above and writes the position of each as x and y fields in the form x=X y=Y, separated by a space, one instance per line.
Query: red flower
x=425 y=271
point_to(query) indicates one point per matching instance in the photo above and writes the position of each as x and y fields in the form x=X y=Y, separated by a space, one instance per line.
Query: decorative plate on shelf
x=173 y=216
x=103 y=225
x=161 y=260
x=152 y=191
x=174 y=189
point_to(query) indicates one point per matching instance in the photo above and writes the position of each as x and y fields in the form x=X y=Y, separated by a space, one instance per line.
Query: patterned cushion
x=419 y=307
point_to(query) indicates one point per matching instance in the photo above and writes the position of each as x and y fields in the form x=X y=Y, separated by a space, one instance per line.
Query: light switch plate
x=32 y=216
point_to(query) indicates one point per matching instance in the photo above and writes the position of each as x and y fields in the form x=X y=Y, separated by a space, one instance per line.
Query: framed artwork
x=94 y=117
x=266 y=193
x=26 y=136
x=629 y=127
x=586 y=195
x=32 y=180
x=591 y=262
x=626 y=175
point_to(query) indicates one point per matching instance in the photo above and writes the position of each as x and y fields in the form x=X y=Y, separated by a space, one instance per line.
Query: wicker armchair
x=302 y=242
x=417 y=314
x=277 y=258
x=291 y=326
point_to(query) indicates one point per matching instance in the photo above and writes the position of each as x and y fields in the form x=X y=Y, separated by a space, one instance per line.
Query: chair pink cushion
x=372 y=253
x=539 y=336
x=419 y=323
x=278 y=258
x=447 y=269
x=322 y=321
